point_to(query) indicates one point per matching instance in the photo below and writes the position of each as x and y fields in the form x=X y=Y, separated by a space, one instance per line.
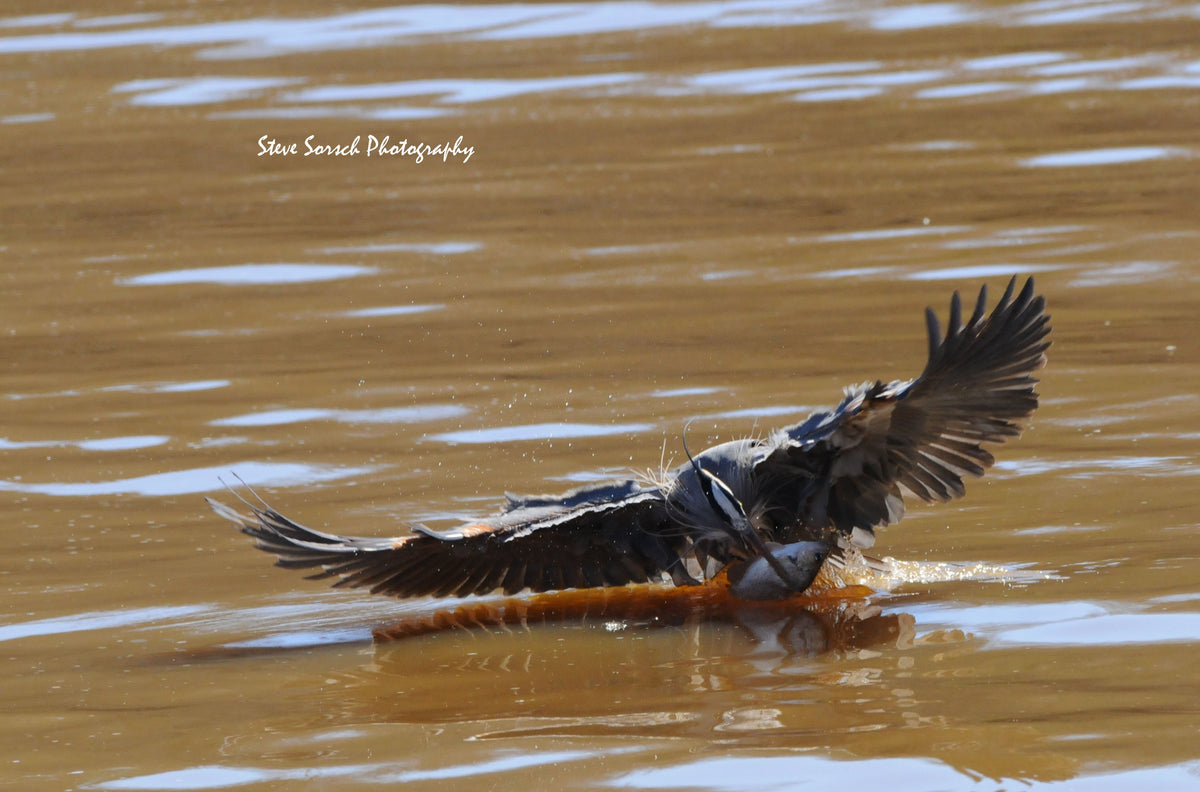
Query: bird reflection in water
x=821 y=620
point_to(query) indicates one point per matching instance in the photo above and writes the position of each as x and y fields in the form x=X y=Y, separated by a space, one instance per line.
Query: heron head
x=725 y=512
x=728 y=516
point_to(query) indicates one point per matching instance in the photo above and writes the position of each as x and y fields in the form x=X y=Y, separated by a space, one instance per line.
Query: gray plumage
x=770 y=509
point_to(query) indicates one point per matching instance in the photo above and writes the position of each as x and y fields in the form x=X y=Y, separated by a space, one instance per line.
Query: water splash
x=895 y=572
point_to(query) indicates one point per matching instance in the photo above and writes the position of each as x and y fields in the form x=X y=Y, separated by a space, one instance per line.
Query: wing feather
x=596 y=536
x=844 y=469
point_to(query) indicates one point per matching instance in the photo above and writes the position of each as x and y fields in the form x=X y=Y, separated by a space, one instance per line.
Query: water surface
x=672 y=211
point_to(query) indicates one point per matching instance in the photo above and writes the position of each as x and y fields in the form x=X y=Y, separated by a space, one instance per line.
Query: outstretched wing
x=605 y=535
x=848 y=468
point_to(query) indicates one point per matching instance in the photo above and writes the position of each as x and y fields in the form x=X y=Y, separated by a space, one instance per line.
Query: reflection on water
x=1110 y=156
x=267 y=37
x=1110 y=629
x=27 y=118
x=704 y=774
x=773 y=411
x=1101 y=467
x=900 y=775
x=394 y=310
x=169 y=387
x=198 y=90
x=78 y=622
x=981 y=271
x=252 y=274
x=221 y=777
x=454 y=91
x=404 y=415
x=948 y=273
x=1027 y=74
x=432 y=248
x=1015 y=237
x=793 y=628
x=140 y=387
x=1034 y=73
x=186 y=482
x=892 y=233
x=544 y=431
x=1125 y=273
x=105 y=444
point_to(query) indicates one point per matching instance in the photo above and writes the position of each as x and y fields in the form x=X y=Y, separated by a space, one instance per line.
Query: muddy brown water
x=670 y=211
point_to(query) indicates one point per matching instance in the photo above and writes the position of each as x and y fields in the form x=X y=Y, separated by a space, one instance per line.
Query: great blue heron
x=770 y=511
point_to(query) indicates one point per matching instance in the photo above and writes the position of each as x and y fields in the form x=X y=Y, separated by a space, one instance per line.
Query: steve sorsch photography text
x=373 y=146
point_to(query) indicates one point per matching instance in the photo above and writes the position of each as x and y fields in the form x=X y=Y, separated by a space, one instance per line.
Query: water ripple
x=782 y=772
x=981 y=271
x=266 y=37
x=36 y=20
x=1094 y=467
x=899 y=774
x=250 y=274
x=187 y=482
x=27 y=118
x=417 y=414
x=542 y=431
x=876 y=234
x=920 y=17
x=197 y=90
x=457 y=91
x=101 y=444
x=1105 y=156
x=138 y=387
x=434 y=248
x=98 y=620
x=392 y=310
x=1062 y=624
x=984 y=78
x=1109 y=630
x=222 y=776
x=670 y=393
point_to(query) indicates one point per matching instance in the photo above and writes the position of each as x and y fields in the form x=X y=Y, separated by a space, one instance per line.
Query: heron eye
x=721 y=498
